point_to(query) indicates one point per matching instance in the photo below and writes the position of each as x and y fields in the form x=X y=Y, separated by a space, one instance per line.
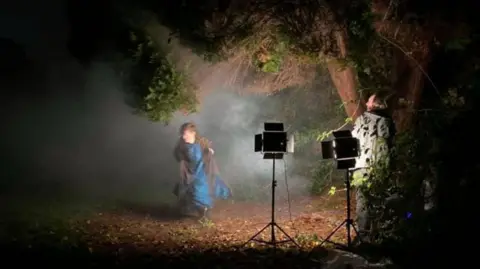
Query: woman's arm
x=206 y=145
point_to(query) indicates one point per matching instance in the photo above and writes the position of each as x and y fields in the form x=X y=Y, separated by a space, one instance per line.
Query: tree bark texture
x=344 y=79
x=411 y=57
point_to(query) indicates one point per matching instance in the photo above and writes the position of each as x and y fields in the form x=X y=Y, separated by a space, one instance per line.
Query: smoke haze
x=67 y=126
x=90 y=140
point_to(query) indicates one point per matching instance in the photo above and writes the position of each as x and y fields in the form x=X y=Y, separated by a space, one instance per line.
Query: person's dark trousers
x=362 y=220
x=184 y=195
x=362 y=215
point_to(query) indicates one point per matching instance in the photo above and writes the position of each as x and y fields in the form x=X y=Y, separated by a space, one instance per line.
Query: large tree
x=268 y=45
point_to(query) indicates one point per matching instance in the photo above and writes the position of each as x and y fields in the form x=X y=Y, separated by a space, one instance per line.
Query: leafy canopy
x=158 y=86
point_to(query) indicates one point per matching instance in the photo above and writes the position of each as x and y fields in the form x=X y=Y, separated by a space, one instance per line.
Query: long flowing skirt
x=198 y=193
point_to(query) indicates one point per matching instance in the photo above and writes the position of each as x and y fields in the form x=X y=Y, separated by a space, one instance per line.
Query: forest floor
x=127 y=233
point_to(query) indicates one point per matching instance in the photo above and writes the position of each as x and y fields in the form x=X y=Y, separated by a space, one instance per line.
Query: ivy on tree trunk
x=411 y=45
x=412 y=54
x=344 y=79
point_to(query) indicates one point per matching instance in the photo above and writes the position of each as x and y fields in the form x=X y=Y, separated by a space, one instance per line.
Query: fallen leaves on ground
x=125 y=234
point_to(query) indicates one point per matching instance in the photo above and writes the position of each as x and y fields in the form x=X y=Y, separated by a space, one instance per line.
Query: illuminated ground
x=231 y=224
x=126 y=231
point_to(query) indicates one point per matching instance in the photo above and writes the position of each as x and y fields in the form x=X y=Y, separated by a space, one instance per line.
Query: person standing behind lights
x=375 y=131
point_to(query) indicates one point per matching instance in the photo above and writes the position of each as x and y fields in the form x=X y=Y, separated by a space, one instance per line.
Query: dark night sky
x=41 y=26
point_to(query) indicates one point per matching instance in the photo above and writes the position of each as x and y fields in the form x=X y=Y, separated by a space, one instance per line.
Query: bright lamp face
x=334 y=146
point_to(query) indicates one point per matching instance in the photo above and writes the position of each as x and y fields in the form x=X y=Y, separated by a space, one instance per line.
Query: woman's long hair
x=190 y=126
x=182 y=155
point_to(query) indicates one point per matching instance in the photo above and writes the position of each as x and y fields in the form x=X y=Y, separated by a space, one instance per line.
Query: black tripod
x=272 y=225
x=348 y=222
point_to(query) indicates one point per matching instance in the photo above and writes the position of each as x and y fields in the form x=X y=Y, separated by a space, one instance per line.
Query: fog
x=88 y=139
x=66 y=127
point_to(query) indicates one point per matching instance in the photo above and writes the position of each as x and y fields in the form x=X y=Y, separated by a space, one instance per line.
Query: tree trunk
x=408 y=83
x=411 y=58
x=344 y=79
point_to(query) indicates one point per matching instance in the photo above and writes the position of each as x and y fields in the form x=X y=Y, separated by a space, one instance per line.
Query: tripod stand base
x=348 y=224
x=273 y=241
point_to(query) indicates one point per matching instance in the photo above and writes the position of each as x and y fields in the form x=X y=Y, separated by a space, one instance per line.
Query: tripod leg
x=273 y=242
x=288 y=236
x=349 y=233
x=354 y=229
x=255 y=235
x=356 y=232
x=333 y=232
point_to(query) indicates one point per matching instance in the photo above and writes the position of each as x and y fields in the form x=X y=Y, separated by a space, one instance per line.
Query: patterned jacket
x=375 y=131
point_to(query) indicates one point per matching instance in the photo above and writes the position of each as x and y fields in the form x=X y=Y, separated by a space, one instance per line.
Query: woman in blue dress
x=200 y=183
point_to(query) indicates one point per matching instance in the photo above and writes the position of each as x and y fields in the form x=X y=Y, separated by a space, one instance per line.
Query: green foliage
x=457 y=44
x=206 y=222
x=168 y=92
x=370 y=55
x=308 y=240
x=323 y=173
x=159 y=87
x=323 y=176
x=270 y=61
x=332 y=190
x=419 y=157
x=216 y=33
x=272 y=65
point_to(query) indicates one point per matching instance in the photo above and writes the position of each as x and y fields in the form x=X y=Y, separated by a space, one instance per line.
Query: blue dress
x=200 y=188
